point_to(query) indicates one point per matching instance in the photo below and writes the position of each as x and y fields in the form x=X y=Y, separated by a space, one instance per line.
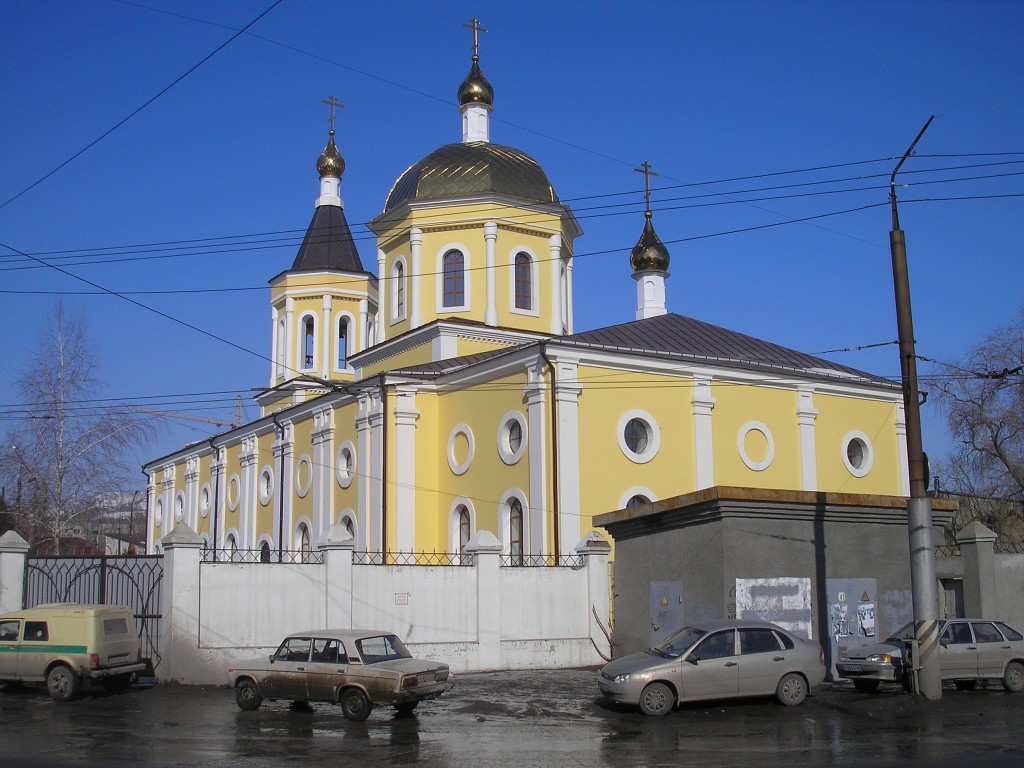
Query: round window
x=345 y=464
x=266 y=485
x=204 y=500
x=756 y=445
x=638 y=436
x=858 y=455
x=512 y=437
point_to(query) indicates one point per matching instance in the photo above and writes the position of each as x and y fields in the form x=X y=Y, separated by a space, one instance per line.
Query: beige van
x=62 y=644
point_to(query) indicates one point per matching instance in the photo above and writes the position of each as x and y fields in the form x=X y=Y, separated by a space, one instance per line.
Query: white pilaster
x=327 y=331
x=384 y=294
x=567 y=393
x=806 y=414
x=406 y=415
x=275 y=363
x=364 y=477
x=537 y=428
x=415 y=257
x=490 y=238
x=556 y=285
x=289 y=336
x=703 y=404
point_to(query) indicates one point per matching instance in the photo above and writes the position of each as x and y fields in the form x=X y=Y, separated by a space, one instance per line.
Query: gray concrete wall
x=1009 y=585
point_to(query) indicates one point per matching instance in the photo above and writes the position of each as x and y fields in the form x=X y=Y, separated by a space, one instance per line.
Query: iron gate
x=132 y=580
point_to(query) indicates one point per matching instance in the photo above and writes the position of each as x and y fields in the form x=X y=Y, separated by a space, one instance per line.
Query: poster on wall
x=852 y=610
x=785 y=601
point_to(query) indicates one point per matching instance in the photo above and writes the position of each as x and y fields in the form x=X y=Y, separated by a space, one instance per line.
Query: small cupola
x=476 y=96
x=649 y=260
x=330 y=165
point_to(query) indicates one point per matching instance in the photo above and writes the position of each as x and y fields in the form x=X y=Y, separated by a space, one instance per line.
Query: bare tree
x=66 y=449
x=983 y=396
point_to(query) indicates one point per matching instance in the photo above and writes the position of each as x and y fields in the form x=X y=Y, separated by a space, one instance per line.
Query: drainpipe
x=280 y=494
x=554 y=454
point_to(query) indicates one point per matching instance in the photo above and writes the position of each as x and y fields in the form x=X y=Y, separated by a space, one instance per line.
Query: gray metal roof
x=328 y=244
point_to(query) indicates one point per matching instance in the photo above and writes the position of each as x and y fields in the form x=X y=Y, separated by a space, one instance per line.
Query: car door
x=958 y=655
x=760 y=662
x=36 y=652
x=10 y=630
x=993 y=650
x=710 y=669
x=328 y=665
x=286 y=676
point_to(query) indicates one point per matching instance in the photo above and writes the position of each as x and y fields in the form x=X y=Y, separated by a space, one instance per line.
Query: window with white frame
x=398 y=291
x=515 y=531
x=858 y=454
x=639 y=436
x=453 y=267
x=308 y=342
x=523 y=282
x=512 y=437
x=342 y=360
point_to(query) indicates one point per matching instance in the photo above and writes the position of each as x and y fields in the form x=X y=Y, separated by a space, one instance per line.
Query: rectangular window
x=37 y=631
x=115 y=627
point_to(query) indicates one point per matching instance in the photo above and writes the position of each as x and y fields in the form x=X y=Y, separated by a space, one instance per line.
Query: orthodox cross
x=475 y=26
x=332 y=102
x=645 y=169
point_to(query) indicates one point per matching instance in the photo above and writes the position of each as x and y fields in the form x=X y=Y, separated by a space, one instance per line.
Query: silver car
x=716 y=660
x=969 y=650
x=354 y=668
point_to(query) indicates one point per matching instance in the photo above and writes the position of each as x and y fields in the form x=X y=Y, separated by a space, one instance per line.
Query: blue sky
x=731 y=102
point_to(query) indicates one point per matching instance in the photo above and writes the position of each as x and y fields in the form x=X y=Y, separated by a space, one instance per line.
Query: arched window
x=399 y=291
x=524 y=282
x=309 y=343
x=465 y=528
x=231 y=548
x=280 y=347
x=304 y=544
x=342 y=342
x=515 y=531
x=454 y=293
x=265 y=552
x=563 y=289
x=637 y=501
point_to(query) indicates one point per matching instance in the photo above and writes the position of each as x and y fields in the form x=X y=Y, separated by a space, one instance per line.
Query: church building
x=439 y=387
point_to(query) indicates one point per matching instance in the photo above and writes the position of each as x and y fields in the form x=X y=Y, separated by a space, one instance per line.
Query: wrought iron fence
x=133 y=581
x=412 y=558
x=262 y=556
x=542 y=561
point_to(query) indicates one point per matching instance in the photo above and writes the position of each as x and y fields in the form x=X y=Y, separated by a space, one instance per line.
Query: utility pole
x=928 y=678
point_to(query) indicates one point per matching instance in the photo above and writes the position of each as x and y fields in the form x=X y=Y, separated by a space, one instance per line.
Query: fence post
x=337 y=547
x=486 y=551
x=179 y=601
x=978 y=561
x=595 y=549
x=13 y=551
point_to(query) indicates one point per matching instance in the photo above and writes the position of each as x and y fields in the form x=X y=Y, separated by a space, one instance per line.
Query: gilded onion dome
x=475 y=89
x=330 y=162
x=649 y=253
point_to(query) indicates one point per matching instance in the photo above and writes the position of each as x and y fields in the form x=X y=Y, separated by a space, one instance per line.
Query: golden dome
x=330 y=162
x=649 y=253
x=475 y=89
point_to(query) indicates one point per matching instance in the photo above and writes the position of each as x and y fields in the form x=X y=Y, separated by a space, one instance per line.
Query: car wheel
x=791 y=690
x=63 y=683
x=1013 y=677
x=866 y=686
x=656 y=699
x=965 y=685
x=116 y=683
x=247 y=695
x=355 y=705
x=406 y=708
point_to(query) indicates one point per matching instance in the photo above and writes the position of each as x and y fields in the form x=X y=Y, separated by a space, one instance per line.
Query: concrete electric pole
x=919 y=506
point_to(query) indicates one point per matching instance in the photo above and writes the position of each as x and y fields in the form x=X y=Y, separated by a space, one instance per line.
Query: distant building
x=445 y=389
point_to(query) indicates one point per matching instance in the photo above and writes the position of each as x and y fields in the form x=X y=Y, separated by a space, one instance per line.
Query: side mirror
x=693 y=658
x=943 y=641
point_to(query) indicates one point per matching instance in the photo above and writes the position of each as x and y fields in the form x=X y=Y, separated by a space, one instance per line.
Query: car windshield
x=677 y=643
x=374 y=650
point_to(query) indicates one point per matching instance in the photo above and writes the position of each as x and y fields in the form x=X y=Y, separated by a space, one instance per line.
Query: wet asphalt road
x=515 y=719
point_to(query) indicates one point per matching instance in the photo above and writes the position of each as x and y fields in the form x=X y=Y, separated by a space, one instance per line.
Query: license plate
x=852 y=667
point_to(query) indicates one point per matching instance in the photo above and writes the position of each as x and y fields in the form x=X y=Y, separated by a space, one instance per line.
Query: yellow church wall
x=735 y=406
x=837 y=417
x=606 y=472
x=203 y=524
x=232 y=459
x=265 y=512
x=302 y=472
x=345 y=429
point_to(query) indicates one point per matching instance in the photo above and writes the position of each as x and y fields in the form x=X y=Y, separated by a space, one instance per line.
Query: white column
x=219 y=492
x=486 y=551
x=569 y=322
x=537 y=430
x=275 y=366
x=567 y=393
x=415 y=254
x=290 y=363
x=703 y=403
x=191 y=516
x=383 y=295
x=406 y=415
x=13 y=551
x=806 y=414
x=490 y=238
x=283 y=451
x=248 y=472
x=361 y=342
x=327 y=331
x=364 y=474
x=556 y=285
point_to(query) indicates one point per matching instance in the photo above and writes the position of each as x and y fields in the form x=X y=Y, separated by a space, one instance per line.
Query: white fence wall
x=475 y=618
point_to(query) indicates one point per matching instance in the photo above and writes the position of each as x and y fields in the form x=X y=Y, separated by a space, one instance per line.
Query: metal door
x=666 y=609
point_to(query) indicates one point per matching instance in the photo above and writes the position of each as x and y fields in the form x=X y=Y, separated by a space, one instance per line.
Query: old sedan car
x=351 y=667
x=969 y=650
x=716 y=660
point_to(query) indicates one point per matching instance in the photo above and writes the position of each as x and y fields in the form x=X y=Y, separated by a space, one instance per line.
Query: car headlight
x=621 y=679
x=884 y=658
